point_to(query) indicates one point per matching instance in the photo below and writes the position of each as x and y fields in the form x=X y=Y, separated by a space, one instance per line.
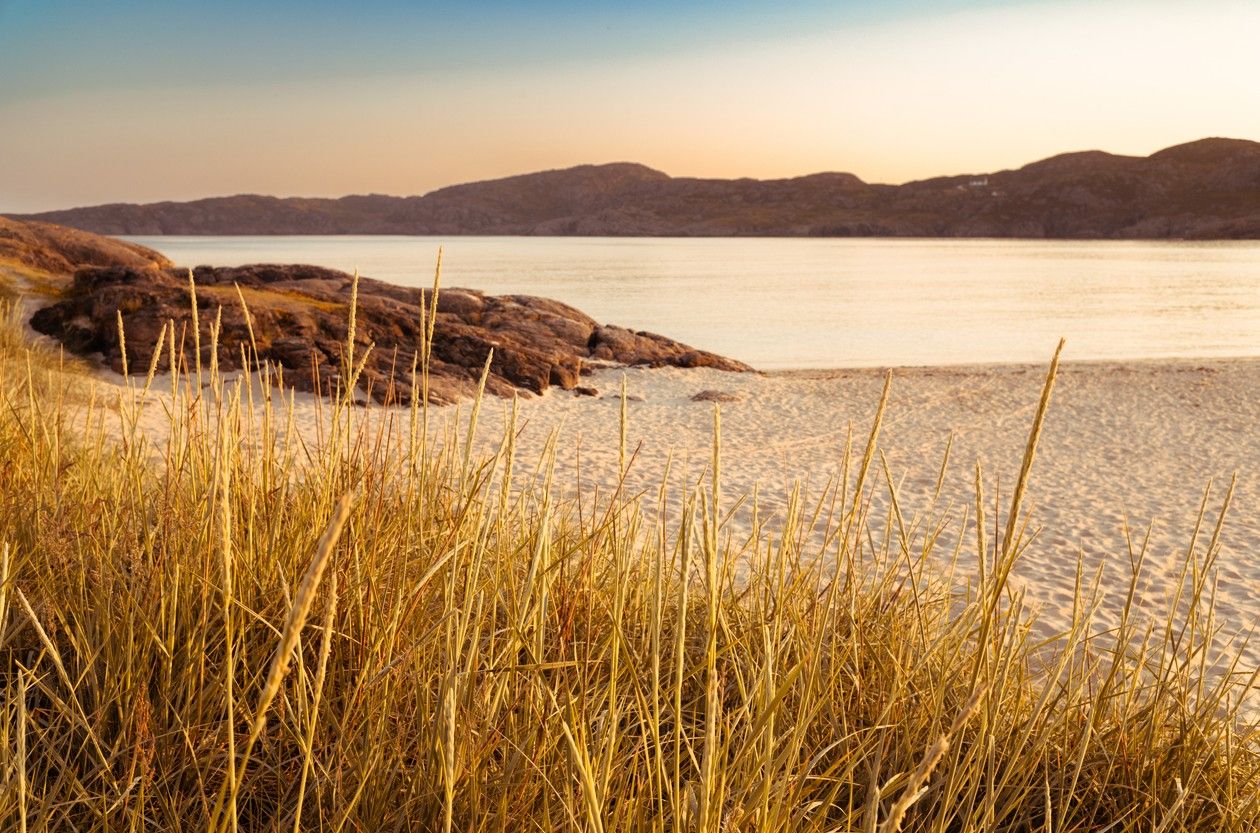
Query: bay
x=781 y=303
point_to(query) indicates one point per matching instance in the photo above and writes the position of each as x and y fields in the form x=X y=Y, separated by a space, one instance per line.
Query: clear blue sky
x=51 y=45
x=137 y=101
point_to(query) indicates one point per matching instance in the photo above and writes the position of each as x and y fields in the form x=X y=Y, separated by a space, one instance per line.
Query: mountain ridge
x=1205 y=189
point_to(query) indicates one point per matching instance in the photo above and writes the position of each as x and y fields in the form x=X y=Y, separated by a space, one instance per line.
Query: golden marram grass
x=240 y=630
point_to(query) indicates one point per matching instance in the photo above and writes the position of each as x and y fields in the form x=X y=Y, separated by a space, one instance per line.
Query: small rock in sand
x=715 y=396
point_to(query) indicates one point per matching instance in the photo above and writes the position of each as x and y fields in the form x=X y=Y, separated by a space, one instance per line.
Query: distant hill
x=1209 y=189
x=59 y=251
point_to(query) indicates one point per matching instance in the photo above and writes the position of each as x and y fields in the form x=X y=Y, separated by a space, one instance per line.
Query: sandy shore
x=1134 y=443
x=1126 y=446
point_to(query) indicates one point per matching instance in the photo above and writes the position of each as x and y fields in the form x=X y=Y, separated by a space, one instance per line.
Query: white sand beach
x=1128 y=449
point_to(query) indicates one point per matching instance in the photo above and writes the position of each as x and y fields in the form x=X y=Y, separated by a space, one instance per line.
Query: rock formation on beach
x=299 y=317
x=1209 y=189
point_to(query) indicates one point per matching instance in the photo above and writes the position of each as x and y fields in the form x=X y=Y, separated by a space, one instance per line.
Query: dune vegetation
x=236 y=627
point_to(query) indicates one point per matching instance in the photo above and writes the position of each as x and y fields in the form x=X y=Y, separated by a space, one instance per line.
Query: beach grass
x=19 y=279
x=237 y=627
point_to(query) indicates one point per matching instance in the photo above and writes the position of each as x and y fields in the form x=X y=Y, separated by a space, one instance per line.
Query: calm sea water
x=800 y=303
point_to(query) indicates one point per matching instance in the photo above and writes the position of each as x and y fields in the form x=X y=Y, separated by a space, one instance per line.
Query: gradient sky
x=142 y=100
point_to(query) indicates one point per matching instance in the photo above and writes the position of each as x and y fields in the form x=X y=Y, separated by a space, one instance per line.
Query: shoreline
x=1168 y=362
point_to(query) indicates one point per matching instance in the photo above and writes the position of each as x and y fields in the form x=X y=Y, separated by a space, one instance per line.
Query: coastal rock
x=299 y=318
x=616 y=344
x=715 y=396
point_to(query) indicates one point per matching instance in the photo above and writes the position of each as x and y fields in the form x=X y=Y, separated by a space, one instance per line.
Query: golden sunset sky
x=142 y=101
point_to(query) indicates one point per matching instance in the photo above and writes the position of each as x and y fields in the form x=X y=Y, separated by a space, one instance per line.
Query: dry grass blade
x=298 y=614
x=1030 y=452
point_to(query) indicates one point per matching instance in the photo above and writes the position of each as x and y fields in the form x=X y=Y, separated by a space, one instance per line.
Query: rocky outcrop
x=300 y=314
x=1205 y=189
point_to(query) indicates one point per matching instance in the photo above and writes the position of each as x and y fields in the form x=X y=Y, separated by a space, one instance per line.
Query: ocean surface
x=818 y=303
